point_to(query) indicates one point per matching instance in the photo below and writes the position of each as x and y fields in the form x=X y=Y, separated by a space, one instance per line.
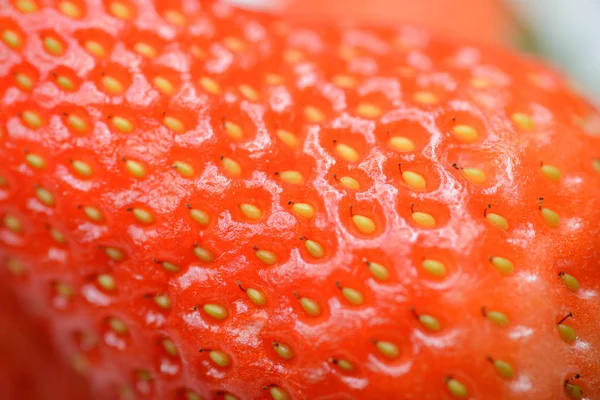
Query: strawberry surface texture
x=210 y=203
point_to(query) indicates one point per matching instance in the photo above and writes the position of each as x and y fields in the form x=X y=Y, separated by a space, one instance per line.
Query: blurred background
x=566 y=32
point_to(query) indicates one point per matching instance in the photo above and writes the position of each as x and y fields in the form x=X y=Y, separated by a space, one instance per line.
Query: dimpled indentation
x=341 y=212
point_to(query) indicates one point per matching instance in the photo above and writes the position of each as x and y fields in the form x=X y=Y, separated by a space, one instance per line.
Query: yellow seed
x=435 y=268
x=344 y=81
x=344 y=365
x=475 y=175
x=184 y=169
x=53 y=46
x=430 y=323
x=287 y=137
x=65 y=83
x=210 y=85
x=191 y=395
x=313 y=114
x=215 y=310
x=24 y=81
x=119 y=10
x=144 y=375
x=293 y=177
x=353 y=296
x=504 y=369
x=106 y=282
x=114 y=253
x=596 y=165
x=163 y=85
x=197 y=52
x=523 y=121
x=350 y=183
x=310 y=306
x=503 y=265
x=570 y=282
x=144 y=216
x=414 y=180
x=248 y=92
x=480 y=83
x=175 y=17
x=200 y=216
x=423 y=219
x=229 y=396
x=402 y=144
x=136 y=169
x=293 y=56
x=457 y=389
x=273 y=79
x=13 y=223
x=378 y=271
x=314 y=248
x=220 y=358
x=497 y=220
x=283 y=350
x=497 y=318
x=266 y=256
x=234 y=44
x=170 y=347
x=465 y=133
x=367 y=110
x=15 y=266
x=551 y=172
x=70 y=9
x=170 y=267
x=348 y=153
x=304 y=210
x=82 y=168
x=26 y=6
x=566 y=333
x=232 y=167
x=122 y=124
x=77 y=123
x=574 y=391
x=35 y=160
x=32 y=119
x=58 y=236
x=388 y=349
x=3 y=182
x=425 y=98
x=112 y=85
x=95 y=48
x=44 y=196
x=118 y=326
x=80 y=363
x=551 y=218
x=256 y=296
x=12 y=38
x=93 y=213
x=364 y=224
x=233 y=130
x=203 y=254
x=174 y=124
x=163 y=301
x=145 y=49
x=278 y=393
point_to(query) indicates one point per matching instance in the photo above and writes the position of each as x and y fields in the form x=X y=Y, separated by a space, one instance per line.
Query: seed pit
x=96 y=42
x=461 y=127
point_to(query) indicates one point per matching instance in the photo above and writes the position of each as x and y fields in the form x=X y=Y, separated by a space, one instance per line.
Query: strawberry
x=212 y=203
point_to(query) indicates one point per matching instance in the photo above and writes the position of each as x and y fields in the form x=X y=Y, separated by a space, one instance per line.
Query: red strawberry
x=211 y=203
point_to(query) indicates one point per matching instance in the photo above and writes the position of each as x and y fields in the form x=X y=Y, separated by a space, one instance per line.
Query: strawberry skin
x=211 y=203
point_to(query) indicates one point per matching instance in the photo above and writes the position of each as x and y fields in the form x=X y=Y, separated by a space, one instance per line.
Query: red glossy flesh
x=534 y=298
